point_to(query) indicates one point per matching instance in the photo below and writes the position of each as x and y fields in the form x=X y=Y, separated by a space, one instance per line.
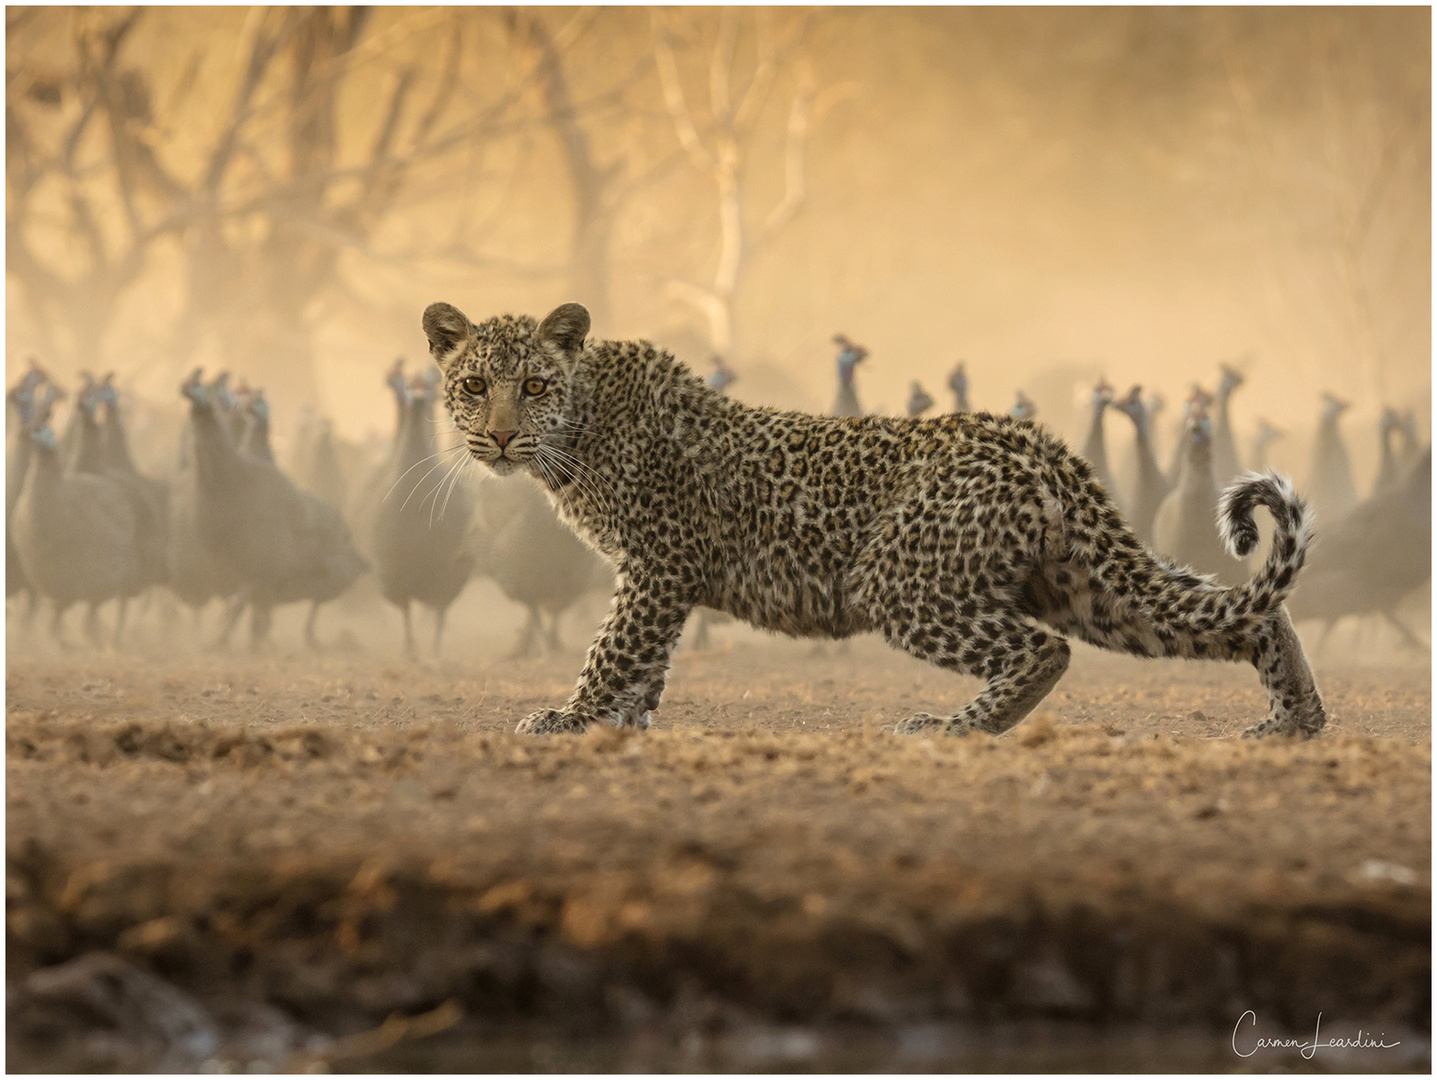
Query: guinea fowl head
x=850 y=355
x=257 y=406
x=106 y=394
x=195 y=389
x=1198 y=424
x=1333 y=406
x=1197 y=401
x=88 y=399
x=919 y=400
x=1266 y=433
x=1132 y=403
x=395 y=378
x=1102 y=394
x=1230 y=381
x=722 y=377
x=44 y=435
x=1024 y=407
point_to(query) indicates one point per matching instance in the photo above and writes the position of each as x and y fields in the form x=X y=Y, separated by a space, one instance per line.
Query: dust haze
x=1047 y=195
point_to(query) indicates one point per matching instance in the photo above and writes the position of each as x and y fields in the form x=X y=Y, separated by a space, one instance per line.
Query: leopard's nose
x=501 y=437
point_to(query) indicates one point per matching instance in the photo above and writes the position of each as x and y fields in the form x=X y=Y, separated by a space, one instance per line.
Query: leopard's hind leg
x=1294 y=706
x=1020 y=659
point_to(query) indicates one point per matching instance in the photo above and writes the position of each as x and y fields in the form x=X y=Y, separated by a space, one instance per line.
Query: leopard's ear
x=447 y=328
x=565 y=328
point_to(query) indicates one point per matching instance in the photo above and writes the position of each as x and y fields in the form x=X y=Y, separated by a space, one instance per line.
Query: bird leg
x=525 y=645
x=232 y=616
x=120 y=620
x=57 y=624
x=92 y=624
x=309 y=638
x=261 y=616
x=551 y=639
x=439 y=629
x=1408 y=637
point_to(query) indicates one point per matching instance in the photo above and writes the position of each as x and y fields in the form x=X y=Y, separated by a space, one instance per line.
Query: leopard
x=977 y=542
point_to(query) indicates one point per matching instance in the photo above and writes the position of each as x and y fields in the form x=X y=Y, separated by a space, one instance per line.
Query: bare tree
x=1346 y=182
x=264 y=212
x=72 y=266
x=720 y=143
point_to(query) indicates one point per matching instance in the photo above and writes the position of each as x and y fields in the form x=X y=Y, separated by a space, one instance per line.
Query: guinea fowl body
x=196 y=574
x=1226 y=465
x=1370 y=559
x=534 y=558
x=1095 y=447
x=1150 y=487
x=1185 y=527
x=421 y=524
x=284 y=544
x=1330 y=485
x=75 y=533
x=93 y=455
x=850 y=356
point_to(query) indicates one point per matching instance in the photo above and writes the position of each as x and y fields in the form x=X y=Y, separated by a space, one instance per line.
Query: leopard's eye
x=474 y=386
x=535 y=387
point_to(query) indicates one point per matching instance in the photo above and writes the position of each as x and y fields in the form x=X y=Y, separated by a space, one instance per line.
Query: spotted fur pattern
x=971 y=540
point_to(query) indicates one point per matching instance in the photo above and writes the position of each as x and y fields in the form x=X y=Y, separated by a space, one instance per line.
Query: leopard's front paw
x=551 y=722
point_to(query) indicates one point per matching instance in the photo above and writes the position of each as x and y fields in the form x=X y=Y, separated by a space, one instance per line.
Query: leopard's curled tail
x=1270 y=585
x=1145 y=604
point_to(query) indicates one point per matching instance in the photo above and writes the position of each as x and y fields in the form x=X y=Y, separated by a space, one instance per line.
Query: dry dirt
x=345 y=861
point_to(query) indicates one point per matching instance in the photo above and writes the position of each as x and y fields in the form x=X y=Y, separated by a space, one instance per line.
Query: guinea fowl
x=1262 y=438
x=255 y=441
x=1409 y=448
x=849 y=357
x=70 y=437
x=326 y=479
x=94 y=454
x=376 y=481
x=1373 y=557
x=1185 y=528
x=958 y=383
x=20 y=408
x=1198 y=399
x=1095 y=448
x=1023 y=408
x=1330 y=486
x=227 y=403
x=421 y=526
x=919 y=399
x=519 y=542
x=1225 y=461
x=196 y=576
x=284 y=544
x=1150 y=487
x=1390 y=464
x=76 y=534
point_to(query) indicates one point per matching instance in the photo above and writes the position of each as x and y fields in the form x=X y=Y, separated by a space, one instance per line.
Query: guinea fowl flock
x=86 y=525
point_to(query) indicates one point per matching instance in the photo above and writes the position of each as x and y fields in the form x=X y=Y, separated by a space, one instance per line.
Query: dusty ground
x=232 y=862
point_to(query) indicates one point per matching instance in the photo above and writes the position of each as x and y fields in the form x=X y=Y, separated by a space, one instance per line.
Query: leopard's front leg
x=628 y=663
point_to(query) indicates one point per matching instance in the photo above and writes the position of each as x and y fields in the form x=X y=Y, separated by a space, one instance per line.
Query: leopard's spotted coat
x=971 y=540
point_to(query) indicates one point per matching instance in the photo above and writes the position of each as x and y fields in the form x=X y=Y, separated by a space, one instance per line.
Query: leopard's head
x=508 y=381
